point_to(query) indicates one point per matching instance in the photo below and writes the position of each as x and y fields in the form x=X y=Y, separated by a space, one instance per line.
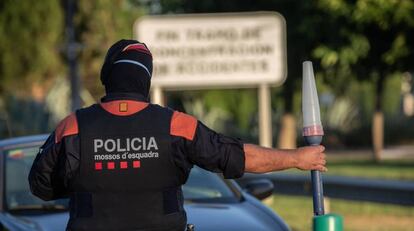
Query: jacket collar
x=124 y=96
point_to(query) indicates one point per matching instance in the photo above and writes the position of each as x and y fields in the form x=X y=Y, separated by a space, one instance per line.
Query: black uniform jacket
x=192 y=144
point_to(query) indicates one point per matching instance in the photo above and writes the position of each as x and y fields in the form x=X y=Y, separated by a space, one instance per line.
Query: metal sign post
x=265 y=115
x=313 y=133
x=157 y=95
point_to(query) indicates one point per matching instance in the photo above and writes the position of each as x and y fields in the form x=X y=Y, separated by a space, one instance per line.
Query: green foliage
x=32 y=45
x=33 y=36
x=30 y=41
x=233 y=112
x=371 y=46
x=371 y=40
x=99 y=24
x=231 y=100
x=392 y=97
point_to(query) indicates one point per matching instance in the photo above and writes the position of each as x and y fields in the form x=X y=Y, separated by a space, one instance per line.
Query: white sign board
x=215 y=50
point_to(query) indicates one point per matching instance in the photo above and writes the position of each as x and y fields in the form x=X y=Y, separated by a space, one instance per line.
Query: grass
x=358 y=216
x=387 y=169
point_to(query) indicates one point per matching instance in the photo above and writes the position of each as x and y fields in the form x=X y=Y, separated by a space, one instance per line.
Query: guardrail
x=351 y=188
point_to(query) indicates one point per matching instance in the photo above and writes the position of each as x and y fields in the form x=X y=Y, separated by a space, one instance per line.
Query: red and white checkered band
x=314 y=130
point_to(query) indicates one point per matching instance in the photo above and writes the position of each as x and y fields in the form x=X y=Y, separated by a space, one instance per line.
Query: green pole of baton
x=313 y=133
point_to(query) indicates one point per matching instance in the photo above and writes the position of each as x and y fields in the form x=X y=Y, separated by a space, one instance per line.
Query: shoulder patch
x=67 y=127
x=183 y=125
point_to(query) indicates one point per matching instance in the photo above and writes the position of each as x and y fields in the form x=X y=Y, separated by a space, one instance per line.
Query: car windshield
x=202 y=186
x=17 y=191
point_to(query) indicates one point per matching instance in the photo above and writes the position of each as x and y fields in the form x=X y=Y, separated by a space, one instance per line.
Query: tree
x=371 y=44
x=99 y=24
x=30 y=43
x=31 y=53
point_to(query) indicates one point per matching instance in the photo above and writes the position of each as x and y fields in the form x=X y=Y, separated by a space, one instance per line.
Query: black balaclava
x=127 y=68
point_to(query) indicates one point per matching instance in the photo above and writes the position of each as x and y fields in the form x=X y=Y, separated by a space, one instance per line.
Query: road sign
x=215 y=50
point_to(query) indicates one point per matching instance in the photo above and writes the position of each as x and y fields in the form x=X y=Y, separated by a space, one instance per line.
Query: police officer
x=122 y=162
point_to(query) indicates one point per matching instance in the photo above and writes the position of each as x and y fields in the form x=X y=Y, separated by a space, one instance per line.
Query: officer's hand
x=311 y=158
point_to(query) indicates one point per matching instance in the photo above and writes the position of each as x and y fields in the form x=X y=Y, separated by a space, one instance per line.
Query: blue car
x=212 y=203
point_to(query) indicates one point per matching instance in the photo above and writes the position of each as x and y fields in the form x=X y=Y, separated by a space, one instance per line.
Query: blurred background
x=51 y=53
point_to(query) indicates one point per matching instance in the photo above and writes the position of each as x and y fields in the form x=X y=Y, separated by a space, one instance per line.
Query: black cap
x=127 y=68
